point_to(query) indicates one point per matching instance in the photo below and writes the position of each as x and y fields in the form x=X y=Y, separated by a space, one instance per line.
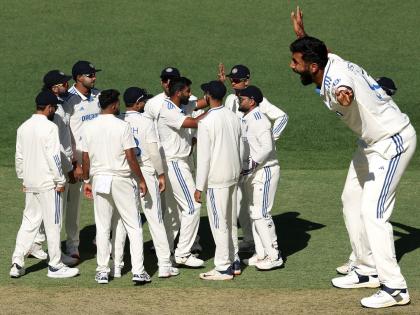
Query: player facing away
x=261 y=172
x=38 y=164
x=387 y=142
x=218 y=170
x=150 y=161
x=109 y=158
x=175 y=139
x=82 y=106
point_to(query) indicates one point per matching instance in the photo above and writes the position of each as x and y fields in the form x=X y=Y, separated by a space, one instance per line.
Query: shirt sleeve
x=173 y=117
x=53 y=156
x=276 y=115
x=128 y=138
x=260 y=142
x=150 y=130
x=203 y=156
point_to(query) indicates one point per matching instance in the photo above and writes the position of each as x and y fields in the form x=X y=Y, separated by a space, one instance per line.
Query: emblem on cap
x=234 y=70
x=169 y=70
x=91 y=65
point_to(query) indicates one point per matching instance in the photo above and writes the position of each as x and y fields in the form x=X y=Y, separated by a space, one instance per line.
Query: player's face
x=88 y=80
x=116 y=108
x=51 y=111
x=244 y=104
x=301 y=67
x=185 y=95
x=60 y=89
x=238 y=84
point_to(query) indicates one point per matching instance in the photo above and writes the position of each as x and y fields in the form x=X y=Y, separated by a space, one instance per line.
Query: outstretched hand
x=297 y=21
x=221 y=76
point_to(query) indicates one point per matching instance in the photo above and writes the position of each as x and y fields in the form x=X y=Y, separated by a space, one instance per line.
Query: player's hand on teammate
x=71 y=177
x=87 y=190
x=344 y=95
x=60 y=189
x=297 y=22
x=78 y=172
x=142 y=187
x=162 y=183
x=221 y=76
x=197 y=196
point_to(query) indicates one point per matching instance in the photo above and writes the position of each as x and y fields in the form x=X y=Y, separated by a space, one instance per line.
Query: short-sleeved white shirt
x=105 y=139
x=372 y=115
x=143 y=130
x=174 y=139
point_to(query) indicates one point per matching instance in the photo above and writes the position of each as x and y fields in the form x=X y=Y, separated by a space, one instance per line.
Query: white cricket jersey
x=275 y=114
x=372 y=115
x=37 y=156
x=143 y=129
x=105 y=139
x=218 y=149
x=174 y=139
x=65 y=139
x=258 y=140
x=80 y=109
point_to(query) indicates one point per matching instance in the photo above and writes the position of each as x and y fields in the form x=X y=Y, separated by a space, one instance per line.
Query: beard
x=51 y=116
x=306 y=78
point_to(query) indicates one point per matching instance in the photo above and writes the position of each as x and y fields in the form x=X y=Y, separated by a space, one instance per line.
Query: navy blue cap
x=252 y=92
x=387 y=85
x=239 y=72
x=83 y=67
x=55 y=77
x=135 y=94
x=215 y=88
x=46 y=97
x=170 y=72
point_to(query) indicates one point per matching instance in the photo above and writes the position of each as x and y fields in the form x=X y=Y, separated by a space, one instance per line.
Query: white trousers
x=368 y=201
x=261 y=189
x=72 y=214
x=243 y=213
x=183 y=212
x=221 y=210
x=151 y=205
x=123 y=198
x=40 y=207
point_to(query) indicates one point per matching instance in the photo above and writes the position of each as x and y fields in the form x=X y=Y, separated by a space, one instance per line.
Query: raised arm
x=297 y=22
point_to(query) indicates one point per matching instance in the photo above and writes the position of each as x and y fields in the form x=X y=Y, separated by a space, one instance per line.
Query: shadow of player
x=408 y=241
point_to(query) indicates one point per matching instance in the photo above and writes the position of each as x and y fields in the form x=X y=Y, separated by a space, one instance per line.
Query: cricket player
x=82 y=106
x=150 y=161
x=109 y=158
x=240 y=78
x=387 y=142
x=218 y=170
x=174 y=137
x=38 y=164
x=261 y=173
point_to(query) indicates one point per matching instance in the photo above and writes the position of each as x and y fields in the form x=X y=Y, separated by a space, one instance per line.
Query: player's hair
x=178 y=84
x=108 y=97
x=40 y=107
x=312 y=49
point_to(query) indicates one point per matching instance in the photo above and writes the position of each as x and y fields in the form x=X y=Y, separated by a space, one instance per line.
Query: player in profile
x=387 y=142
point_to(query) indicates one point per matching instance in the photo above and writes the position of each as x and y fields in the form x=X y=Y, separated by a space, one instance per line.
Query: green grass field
x=132 y=41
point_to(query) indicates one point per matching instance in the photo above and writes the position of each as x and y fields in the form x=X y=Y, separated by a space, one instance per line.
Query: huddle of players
x=149 y=149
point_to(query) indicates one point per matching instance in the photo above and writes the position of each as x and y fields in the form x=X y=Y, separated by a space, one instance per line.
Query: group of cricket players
x=158 y=154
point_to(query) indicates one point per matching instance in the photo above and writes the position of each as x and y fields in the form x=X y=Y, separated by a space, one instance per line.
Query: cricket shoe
x=101 y=277
x=353 y=281
x=68 y=260
x=142 y=278
x=387 y=297
x=168 y=271
x=246 y=246
x=345 y=268
x=190 y=261
x=37 y=252
x=252 y=261
x=269 y=263
x=116 y=272
x=62 y=272
x=217 y=275
x=16 y=271
x=236 y=267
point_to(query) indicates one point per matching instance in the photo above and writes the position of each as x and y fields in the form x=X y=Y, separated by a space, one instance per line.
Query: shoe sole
x=181 y=265
x=62 y=276
x=14 y=276
x=391 y=304
x=268 y=269
x=168 y=275
x=215 y=278
x=141 y=282
x=102 y=281
x=37 y=257
x=358 y=286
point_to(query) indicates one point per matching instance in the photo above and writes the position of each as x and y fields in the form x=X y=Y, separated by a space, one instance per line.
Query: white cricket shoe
x=16 y=271
x=246 y=246
x=116 y=272
x=387 y=297
x=217 y=275
x=168 y=271
x=68 y=260
x=62 y=272
x=353 y=281
x=252 y=261
x=345 y=268
x=269 y=263
x=101 y=277
x=190 y=261
x=142 y=278
x=37 y=252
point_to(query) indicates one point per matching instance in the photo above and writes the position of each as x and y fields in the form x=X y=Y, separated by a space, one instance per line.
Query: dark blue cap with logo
x=45 y=98
x=239 y=72
x=252 y=92
x=135 y=94
x=83 y=67
x=170 y=72
x=55 y=77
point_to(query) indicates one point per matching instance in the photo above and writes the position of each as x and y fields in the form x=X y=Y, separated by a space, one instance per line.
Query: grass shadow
x=408 y=241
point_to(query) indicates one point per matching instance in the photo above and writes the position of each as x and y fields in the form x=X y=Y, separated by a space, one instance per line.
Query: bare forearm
x=85 y=165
